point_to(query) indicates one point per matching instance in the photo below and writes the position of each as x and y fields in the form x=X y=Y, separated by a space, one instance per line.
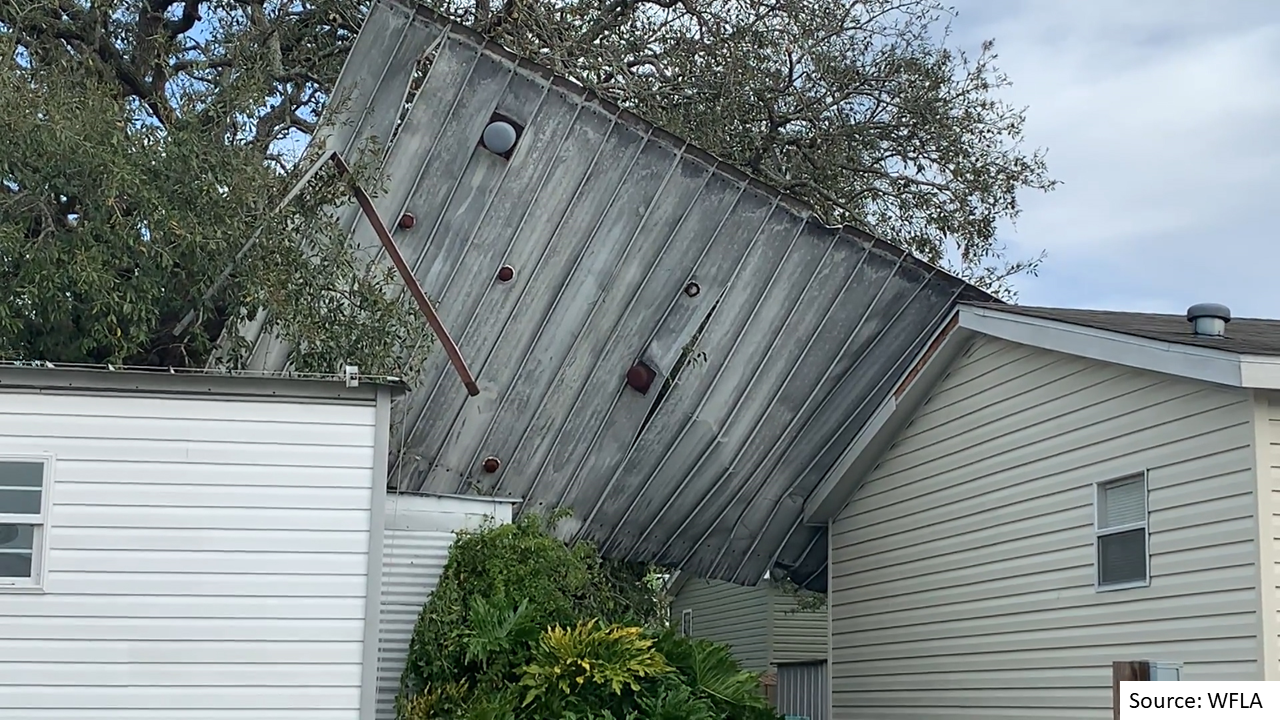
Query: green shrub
x=522 y=625
x=589 y=668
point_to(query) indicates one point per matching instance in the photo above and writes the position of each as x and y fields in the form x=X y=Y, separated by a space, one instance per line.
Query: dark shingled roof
x=1246 y=336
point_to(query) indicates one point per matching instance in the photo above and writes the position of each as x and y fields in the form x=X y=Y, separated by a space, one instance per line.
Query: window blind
x=1123 y=503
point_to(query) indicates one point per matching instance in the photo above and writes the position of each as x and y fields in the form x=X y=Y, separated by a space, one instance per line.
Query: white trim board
x=676 y=583
x=377 y=533
x=871 y=443
x=1197 y=363
x=1218 y=367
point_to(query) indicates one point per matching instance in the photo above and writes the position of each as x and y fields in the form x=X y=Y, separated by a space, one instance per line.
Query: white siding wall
x=731 y=614
x=419 y=532
x=208 y=560
x=962 y=571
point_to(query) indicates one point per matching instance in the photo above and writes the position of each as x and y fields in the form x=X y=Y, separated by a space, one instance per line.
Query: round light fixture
x=499 y=137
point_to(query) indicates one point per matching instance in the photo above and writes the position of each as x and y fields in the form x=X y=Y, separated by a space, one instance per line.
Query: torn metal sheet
x=621 y=245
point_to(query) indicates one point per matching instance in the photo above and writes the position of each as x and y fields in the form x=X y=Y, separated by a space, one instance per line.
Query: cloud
x=1162 y=120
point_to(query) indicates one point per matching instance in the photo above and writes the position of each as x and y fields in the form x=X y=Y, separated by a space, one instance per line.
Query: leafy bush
x=589 y=667
x=523 y=625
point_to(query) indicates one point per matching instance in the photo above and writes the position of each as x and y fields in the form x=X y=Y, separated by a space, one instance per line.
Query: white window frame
x=40 y=524
x=1099 y=532
x=686 y=622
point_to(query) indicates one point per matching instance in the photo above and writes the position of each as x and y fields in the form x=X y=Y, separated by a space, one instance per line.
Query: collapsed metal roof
x=626 y=244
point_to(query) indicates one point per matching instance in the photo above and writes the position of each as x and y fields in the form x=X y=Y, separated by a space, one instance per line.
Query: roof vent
x=1209 y=319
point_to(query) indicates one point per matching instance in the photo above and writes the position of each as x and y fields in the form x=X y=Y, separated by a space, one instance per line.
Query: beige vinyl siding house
x=1039 y=500
x=761 y=625
x=726 y=613
x=968 y=555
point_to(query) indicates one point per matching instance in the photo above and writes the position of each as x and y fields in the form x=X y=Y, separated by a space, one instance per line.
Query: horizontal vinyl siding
x=797 y=635
x=731 y=614
x=208 y=558
x=963 y=569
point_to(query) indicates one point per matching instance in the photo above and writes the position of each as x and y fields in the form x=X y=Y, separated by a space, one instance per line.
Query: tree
x=145 y=140
x=858 y=107
x=142 y=144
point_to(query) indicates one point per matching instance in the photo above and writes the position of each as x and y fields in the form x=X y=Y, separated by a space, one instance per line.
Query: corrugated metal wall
x=802 y=690
x=419 y=531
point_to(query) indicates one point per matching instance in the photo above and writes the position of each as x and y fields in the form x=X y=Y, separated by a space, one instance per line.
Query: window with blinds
x=1121 y=507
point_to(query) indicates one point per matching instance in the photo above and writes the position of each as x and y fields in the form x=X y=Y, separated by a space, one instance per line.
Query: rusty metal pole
x=424 y=304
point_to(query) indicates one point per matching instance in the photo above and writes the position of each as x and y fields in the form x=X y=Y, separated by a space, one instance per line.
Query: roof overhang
x=1217 y=367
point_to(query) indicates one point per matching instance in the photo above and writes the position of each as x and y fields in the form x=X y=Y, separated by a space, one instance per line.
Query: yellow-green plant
x=428 y=704
x=580 y=662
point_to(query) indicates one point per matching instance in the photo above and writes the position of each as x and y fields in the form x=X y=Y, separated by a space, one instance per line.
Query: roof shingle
x=1246 y=336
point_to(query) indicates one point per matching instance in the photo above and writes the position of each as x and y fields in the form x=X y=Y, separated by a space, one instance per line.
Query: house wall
x=962 y=581
x=208 y=558
x=731 y=614
x=796 y=635
x=420 y=529
x=1268 y=438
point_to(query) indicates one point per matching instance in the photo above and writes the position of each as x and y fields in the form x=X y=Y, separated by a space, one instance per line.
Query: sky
x=1162 y=121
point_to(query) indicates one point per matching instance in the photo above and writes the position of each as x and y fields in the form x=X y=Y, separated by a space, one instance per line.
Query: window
x=1120 y=508
x=23 y=486
x=686 y=623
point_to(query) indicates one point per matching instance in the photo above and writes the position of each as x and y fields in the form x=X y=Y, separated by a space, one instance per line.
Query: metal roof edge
x=458 y=496
x=48 y=377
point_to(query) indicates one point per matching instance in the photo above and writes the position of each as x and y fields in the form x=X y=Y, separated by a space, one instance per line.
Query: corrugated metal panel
x=207 y=557
x=963 y=570
x=796 y=635
x=802 y=690
x=731 y=614
x=419 y=531
x=605 y=220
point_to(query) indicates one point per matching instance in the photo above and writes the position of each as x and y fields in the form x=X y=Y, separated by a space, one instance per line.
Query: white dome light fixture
x=499 y=137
